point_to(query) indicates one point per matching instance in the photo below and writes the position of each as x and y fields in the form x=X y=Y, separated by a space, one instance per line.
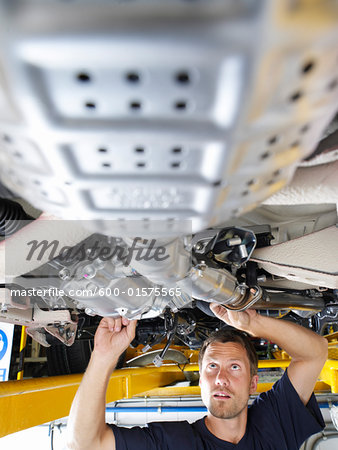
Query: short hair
x=230 y=335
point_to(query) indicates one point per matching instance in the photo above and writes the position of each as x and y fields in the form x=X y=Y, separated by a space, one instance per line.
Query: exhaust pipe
x=214 y=285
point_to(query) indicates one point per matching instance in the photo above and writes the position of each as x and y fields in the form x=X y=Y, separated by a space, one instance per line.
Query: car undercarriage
x=164 y=160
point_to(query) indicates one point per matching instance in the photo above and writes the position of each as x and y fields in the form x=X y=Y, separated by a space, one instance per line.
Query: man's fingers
x=220 y=311
x=228 y=316
x=112 y=323
x=106 y=322
x=125 y=321
x=116 y=323
x=131 y=328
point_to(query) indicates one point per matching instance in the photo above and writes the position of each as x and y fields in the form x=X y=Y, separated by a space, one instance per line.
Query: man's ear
x=253 y=384
x=200 y=373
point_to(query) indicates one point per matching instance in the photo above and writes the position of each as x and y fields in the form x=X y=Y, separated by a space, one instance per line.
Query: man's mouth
x=221 y=395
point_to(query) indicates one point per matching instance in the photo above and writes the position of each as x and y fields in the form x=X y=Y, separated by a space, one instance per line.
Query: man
x=279 y=419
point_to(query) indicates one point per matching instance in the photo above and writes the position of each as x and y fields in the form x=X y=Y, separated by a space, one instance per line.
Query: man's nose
x=222 y=378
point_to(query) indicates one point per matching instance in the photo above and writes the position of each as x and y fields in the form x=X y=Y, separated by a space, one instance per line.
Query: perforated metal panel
x=195 y=110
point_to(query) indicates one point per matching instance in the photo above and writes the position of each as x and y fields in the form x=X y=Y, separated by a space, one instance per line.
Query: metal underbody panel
x=160 y=110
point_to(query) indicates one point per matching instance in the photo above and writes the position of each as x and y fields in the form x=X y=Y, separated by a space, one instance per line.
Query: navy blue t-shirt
x=277 y=420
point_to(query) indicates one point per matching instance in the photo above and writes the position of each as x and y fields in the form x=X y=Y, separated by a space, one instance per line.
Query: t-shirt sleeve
x=134 y=438
x=155 y=436
x=281 y=408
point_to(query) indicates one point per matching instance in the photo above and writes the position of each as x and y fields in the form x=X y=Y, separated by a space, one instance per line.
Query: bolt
x=199 y=246
x=64 y=274
x=69 y=334
x=261 y=278
x=243 y=251
x=242 y=289
x=90 y=312
x=233 y=241
x=122 y=311
x=89 y=271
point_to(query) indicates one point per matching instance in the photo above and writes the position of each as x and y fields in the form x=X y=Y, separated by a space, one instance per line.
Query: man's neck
x=230 y=430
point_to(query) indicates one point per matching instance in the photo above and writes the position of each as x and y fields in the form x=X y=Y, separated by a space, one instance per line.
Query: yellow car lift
x=31 y=402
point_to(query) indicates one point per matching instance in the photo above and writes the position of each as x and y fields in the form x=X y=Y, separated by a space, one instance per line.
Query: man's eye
x=235 y=367
x=212 y=365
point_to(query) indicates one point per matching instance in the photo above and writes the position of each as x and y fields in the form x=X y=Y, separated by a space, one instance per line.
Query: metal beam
x=329 y=374
x=24 y=404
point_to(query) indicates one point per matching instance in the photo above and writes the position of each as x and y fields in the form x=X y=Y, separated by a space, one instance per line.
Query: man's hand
x=113 y=336
x=242 y=320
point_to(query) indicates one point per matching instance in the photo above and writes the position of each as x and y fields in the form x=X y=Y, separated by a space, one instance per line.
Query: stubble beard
x=228 y=409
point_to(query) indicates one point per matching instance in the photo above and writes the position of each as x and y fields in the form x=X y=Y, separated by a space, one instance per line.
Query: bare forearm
x=299 y=342
x=86 y=423
x=307 y=349
x=87 y=428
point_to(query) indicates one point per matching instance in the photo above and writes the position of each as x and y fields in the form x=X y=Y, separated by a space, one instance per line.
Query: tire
x=64 y=360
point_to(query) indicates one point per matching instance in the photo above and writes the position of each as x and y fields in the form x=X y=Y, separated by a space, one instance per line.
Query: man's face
x=225 y=379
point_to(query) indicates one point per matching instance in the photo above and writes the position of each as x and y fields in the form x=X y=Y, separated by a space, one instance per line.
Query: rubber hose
x=11 y=216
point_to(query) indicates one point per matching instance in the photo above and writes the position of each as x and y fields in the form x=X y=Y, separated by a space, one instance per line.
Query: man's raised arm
x=307 y=349
x=87 y=428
